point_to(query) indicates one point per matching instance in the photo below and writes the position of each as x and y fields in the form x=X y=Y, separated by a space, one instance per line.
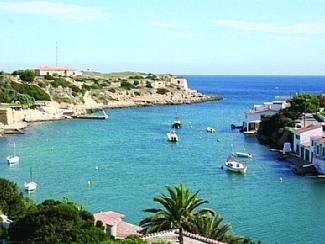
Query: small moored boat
x=30 y=186
x=232 y=165
x=177 y=123
x=172 y=136
x=244 y=155
x=13 y=159
x=211 y=130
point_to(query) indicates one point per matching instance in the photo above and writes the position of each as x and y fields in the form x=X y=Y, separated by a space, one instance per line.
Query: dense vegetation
x=56 y=222
x=274 y=130
x=11 y=91
x=180 y=210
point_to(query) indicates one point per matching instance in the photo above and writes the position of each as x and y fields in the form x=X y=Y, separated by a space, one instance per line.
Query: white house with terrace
x=254 y=116
x=303 y=141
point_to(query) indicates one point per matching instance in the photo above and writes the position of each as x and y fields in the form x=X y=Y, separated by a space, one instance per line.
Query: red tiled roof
x=54 y=68
x=123 y=228
x=312 y=127
x=109 y=217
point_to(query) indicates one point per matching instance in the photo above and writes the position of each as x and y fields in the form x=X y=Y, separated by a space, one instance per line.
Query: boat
x=172 y=136
x=244 y=155
x=105 y=116
x=30 y=186
x=211 y=130
x=177 y=123
x=13 y=159
x=232 y=165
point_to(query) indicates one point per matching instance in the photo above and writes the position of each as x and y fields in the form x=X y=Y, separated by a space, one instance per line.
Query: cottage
x=56 y=70
x=318 y=152
x=114 y=225
x=302 y=140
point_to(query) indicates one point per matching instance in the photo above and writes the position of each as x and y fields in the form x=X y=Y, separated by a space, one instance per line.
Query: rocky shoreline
x=52 y=111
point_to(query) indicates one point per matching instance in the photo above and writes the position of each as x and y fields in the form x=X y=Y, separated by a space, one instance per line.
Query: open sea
x=135 y=161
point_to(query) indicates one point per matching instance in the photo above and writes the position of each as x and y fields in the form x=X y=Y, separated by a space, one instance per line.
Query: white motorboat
x=13 y=159
x=30 y=186
x=211 y=130
x=232 y=165
x=172 y=136
x=244 y=155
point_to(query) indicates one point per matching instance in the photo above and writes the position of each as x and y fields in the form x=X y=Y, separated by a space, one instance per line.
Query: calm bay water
x=135 y=161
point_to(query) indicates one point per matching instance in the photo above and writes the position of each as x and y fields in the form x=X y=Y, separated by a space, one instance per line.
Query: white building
x=318 y=145
x=255 y=115
x=302 y=140
x=56 y=70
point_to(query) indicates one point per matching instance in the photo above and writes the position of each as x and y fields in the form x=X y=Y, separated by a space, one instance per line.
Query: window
x=298 y=137
x=323 y=151
x=317 y=149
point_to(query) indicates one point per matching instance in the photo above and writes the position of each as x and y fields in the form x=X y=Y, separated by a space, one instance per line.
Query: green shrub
x=32 y=90
x=49 y=77
x=136 y=83
x=127 y=85
x=27 y=75
x=60 y=82
x=151 y=77
x=136 y=77
x=112 y=90
x=162 y=91
x=136 y=93
x=75 y=88
x=148 y=84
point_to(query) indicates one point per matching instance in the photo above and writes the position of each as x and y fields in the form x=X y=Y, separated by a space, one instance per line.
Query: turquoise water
x=135 y=161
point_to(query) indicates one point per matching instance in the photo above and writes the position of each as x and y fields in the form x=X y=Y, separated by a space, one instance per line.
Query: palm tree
x=208 y=224
x=177 y=212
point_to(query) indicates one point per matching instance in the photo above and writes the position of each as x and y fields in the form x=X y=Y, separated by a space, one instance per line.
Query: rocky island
x=50 y=93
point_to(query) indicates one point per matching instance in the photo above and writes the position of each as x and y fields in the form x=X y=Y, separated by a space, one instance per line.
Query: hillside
x=94 y=89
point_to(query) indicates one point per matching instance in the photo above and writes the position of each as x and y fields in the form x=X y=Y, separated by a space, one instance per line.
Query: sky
x=216 y=37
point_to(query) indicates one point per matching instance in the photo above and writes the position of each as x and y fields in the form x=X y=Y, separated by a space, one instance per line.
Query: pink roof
x=309 y=128
x=54 y=68
x=111 y=218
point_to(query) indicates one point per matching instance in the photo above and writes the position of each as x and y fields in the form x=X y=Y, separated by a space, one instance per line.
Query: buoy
x=221 y=166
x=97 y=168
x=281 y=179
x=89 y=183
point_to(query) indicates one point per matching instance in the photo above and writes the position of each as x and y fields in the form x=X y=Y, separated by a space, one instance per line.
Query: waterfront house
x=318 y=146
x=56 y=70
x=255 y=115
x=114 y=225
x=302 y=140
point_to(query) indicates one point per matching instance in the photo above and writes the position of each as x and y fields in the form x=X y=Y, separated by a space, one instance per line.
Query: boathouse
x=318 y=152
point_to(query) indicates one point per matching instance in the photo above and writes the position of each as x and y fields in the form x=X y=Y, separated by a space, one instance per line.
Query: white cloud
x=61 y=11
x=300 y=28
x=168 y=24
